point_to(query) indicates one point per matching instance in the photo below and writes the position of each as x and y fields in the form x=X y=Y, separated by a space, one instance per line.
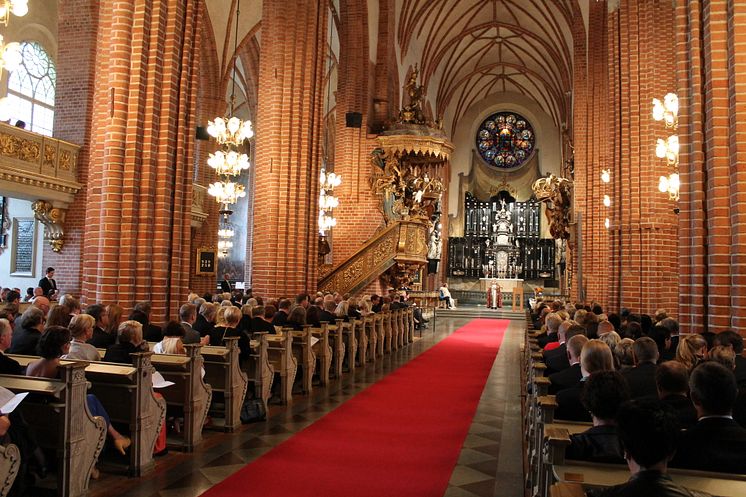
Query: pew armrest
x=564 y=489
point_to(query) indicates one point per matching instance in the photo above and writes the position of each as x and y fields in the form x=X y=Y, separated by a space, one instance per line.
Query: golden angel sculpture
x=556 y=193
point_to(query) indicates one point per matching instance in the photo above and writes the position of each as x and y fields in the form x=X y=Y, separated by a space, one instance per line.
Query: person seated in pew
x=641 y=378
x=297 y=318
x=281 y=316
x=556 y=360
x=232 y=316
x=594 y=357
x=623 y=357
x=245 y=324
x=691 y=351
x=353 y=309
x=551 y=334
x=603 y=394
x=312 y=316
x=569 y=377
x=327 y=313
x=150 y=333
x=81 y=329
x=262 y=319
x=672 y=383
x=648 y=432
x=130 y=342
x=734 y=341
x=101 y=337
x=725 y=356
x=172 y=342
x=53 y=344
x=115 y=317
x=342 y=311
x=25 y=341
x=716 y=442
x=206 y=319
x=662 y=337
x=7 y=364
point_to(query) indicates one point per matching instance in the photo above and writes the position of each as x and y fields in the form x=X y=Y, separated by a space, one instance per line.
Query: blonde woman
x=81 y=329
x=691 y=351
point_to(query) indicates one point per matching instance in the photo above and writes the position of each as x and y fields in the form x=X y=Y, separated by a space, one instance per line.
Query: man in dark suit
x=552 y=322
x=716 y=442
x=571 y=376
x=648 y=433
x=48 y=284
x=376 y=303
x=205 y=322
x=225 y=285
x=281 y=316
x=188 y=315
x=672 y=382
x=641 y=378
x=327 y=313
x=556 y=359
x=7 y=365
x=261 y=322
x=729 y=338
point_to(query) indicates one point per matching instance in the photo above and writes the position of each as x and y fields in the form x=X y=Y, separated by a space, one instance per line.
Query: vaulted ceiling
x=470 y=49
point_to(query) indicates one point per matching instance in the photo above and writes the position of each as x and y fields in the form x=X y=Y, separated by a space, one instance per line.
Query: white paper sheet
x=160 y=382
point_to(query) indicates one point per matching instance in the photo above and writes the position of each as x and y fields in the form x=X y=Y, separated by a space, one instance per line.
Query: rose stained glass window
x=505 y=140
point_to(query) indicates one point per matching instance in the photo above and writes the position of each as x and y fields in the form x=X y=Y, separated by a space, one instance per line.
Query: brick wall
x=711 y=72
x=137 y=233
x=78 y=27
x=288 y=130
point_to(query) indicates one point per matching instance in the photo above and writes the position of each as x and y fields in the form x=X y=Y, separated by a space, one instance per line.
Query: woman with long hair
x=691 y=351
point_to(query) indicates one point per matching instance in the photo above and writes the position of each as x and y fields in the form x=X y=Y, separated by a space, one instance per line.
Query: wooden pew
x=368 y=353
x=126 y=392
x=304 y=355
x=604 y=475
x=189 y=392
x=10 y=463
x=58 y=412
x=223 y=373
x=380 y=334
x=410 y=324
x=349 y=335
x=336 y=336
x=259 y=370
x=361 y=336
x=395 y=330
x=280 y=353
x=323 y=352
x=388 y=332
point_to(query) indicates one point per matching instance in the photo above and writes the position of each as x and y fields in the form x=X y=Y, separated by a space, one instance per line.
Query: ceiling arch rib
x=468 y=49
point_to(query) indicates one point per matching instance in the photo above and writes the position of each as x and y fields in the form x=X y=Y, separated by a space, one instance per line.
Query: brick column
x=712 y=80
x=75 y=64
x=644 y=228
x=288 y=131
x=137 y=233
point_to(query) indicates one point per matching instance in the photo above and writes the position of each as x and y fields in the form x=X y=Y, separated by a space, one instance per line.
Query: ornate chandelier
x=18 y=8
x=668 y=112
x=327 y=201
x=229 y=160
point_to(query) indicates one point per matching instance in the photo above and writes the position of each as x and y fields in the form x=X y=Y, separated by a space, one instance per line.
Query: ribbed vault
x=469 y=49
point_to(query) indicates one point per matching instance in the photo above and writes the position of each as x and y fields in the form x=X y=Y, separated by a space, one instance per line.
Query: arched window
x=31 y=89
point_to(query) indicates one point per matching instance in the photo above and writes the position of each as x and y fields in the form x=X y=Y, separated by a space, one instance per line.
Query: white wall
x=22 y=209
x=548 y=140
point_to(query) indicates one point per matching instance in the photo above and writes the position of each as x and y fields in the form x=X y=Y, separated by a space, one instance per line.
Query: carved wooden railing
x=401 y=242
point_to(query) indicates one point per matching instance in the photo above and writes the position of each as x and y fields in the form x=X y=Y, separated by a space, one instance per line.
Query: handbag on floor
x=252 y=410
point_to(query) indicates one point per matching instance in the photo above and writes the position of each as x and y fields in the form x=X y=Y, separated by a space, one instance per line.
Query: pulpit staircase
x=402 y=242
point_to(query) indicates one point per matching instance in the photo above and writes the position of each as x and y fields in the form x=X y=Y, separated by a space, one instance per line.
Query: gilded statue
x=412 y=112
x=556 y=193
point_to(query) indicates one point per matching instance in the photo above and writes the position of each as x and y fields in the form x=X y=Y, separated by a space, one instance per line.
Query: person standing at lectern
x=225 y=285
x=48 y=284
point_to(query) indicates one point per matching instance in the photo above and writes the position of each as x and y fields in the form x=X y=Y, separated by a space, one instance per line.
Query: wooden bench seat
x=57 y=411
x=280 y=353
x=323 y=352
x=126 y=392
x=188 y=393
x=259 y=370
x=224 y=375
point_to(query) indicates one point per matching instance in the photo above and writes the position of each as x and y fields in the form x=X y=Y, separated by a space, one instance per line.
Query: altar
x=506 y=284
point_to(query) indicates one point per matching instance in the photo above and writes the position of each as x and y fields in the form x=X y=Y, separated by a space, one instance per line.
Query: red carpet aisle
x=399 y=438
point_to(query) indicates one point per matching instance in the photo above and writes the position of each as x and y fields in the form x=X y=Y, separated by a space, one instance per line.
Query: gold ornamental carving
x=50 y=156
x=556 y=193
x=19 y=148
x=67 y=160
x=52 y=218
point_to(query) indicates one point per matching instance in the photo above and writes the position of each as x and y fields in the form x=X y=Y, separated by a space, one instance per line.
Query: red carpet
x=401 y=437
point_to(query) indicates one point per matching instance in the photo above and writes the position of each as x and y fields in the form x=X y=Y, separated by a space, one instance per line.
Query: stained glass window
x=505 y=140
x=31 y=89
